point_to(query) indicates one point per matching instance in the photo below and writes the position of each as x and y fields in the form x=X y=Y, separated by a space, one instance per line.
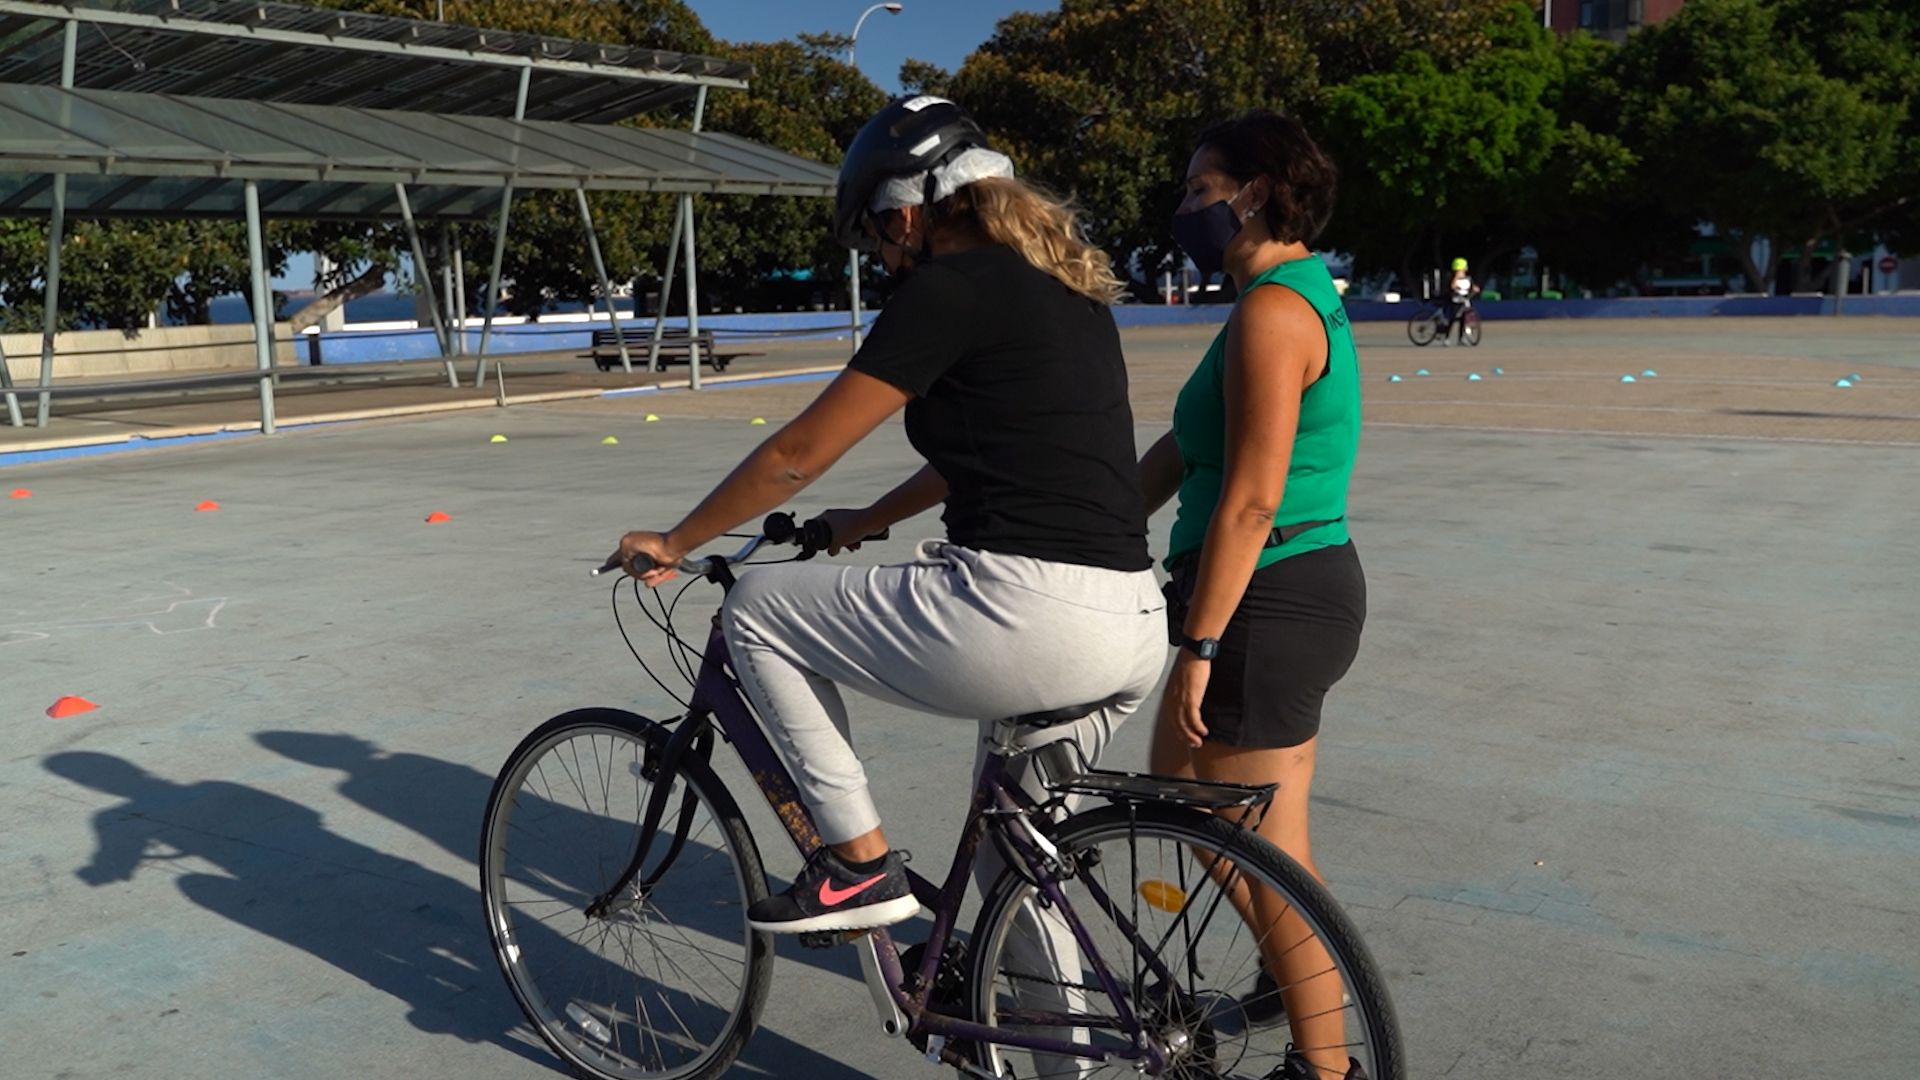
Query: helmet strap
x=929 y=187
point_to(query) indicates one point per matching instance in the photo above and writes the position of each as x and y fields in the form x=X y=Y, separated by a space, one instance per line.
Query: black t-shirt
x=1020 y=403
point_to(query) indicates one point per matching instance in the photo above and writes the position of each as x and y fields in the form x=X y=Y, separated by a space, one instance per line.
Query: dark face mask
x=1205 y=233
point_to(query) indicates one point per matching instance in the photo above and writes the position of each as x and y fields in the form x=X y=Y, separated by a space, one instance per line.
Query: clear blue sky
x=943 y=31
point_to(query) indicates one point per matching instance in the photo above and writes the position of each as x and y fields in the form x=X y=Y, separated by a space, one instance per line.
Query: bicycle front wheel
x=666 y=983
x=1424 y=327
x=1171 y=899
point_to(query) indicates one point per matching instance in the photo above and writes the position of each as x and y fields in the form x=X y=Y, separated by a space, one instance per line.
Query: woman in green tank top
x=1268 y=595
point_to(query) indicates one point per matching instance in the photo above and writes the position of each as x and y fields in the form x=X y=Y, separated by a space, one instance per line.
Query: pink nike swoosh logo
x=831 y=896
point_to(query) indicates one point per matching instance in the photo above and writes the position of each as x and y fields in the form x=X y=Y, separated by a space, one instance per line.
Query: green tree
x=925 y=77
x=1483 y=156
x=1772 y=120
x=805 y=99
x=113 y=274
x=1101 y=99
x=1431 y=154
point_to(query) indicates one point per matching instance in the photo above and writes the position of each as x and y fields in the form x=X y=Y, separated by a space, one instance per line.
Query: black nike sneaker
x=1296 y=1067
x=830 y=895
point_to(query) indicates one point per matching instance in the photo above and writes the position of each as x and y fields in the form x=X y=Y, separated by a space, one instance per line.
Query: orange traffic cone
x=438 y=516
x=70 y=706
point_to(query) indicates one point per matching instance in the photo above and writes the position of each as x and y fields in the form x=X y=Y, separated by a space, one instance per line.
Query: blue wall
x=367 y=346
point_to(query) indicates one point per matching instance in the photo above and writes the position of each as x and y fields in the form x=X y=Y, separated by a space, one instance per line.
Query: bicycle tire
x=1470 y=329
x=504 y=936
x=1383 y=1057
x=1424 y=327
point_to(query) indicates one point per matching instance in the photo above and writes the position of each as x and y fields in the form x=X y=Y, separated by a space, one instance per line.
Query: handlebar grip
x=641 y=563
x=779 y=528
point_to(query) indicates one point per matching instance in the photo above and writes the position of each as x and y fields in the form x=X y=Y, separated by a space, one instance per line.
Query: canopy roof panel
x=287 y=53
x=164 y=155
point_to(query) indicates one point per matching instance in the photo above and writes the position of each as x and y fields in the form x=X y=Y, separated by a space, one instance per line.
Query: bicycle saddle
x=1056 y=717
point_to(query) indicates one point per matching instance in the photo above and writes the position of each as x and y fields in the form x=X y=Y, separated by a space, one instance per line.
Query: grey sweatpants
x=962 y=633
x=957 y=632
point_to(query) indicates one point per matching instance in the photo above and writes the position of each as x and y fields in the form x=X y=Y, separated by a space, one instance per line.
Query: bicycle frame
x=717 y=700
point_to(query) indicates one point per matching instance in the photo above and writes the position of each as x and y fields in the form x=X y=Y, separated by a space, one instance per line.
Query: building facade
x=1608 y=18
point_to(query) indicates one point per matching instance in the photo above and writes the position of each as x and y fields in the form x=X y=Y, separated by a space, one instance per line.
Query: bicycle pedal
x=827 y=939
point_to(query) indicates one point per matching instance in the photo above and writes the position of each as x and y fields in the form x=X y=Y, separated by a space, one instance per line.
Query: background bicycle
x=1431 y=323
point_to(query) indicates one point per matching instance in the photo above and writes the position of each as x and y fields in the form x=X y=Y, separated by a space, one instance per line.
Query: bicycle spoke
x=658 y=955
x=642 y=1015
x=704 y=954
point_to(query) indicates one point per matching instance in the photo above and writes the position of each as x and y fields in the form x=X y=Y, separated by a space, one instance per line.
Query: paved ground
x=1620 y=785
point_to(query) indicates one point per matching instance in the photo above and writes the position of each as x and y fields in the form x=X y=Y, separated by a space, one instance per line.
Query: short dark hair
x=1264 y=143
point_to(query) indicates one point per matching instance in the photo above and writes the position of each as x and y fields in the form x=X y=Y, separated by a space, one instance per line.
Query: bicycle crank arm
x=891 y=1022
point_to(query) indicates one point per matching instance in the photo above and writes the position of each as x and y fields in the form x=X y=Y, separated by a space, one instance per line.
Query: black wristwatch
x=1205 y=648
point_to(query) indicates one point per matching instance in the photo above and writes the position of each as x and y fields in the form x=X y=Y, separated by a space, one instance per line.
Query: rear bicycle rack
x=1065 y=771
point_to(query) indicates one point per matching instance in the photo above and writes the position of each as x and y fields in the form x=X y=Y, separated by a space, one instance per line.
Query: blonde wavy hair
x=1045 y=230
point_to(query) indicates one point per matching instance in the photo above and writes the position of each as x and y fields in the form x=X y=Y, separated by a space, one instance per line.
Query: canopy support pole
x=499 y=248
x=423 y=280
x=262 y=306
x=606 y=286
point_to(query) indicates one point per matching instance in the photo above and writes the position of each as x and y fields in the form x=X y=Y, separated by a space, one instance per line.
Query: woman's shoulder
x=1274 y=307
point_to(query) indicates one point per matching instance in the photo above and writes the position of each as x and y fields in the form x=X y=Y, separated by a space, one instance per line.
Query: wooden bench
x=674 y=348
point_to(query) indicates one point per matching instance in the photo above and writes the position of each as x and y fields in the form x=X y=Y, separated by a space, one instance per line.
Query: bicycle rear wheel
x=663 y=986
x=1158 y=888
x=1424 y=327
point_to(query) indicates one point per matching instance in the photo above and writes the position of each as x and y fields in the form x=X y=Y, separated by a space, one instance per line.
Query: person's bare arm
x=1161 y=469
x=923 y=490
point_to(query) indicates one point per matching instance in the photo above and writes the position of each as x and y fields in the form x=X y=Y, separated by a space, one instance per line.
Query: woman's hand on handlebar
x=850 y=528
x=657 y=558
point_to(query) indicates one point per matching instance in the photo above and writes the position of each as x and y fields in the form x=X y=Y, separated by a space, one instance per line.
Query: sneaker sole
x=864 y=917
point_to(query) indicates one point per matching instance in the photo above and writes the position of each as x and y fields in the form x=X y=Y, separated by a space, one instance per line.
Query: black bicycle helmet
x=909 y=136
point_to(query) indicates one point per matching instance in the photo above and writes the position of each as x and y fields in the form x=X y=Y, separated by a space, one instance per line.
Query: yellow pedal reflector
x=1164 y=895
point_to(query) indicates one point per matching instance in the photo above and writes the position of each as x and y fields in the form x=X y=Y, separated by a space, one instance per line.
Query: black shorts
x=1293 y=636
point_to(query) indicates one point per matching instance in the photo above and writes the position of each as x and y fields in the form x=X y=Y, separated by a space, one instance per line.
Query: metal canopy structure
x=219 y=108
x=254 y=51
x=156 y=154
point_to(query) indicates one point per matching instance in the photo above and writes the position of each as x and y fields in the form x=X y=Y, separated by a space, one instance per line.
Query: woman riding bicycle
x=999 y=345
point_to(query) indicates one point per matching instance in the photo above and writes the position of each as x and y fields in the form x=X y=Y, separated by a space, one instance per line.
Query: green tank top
x=1323 y=447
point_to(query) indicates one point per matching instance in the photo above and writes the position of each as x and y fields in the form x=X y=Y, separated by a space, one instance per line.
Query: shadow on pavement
x=407 y=931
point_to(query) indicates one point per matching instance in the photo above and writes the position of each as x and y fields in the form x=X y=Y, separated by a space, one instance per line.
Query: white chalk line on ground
x=1892 y=381
x=1603 y=433
x=1718 y=411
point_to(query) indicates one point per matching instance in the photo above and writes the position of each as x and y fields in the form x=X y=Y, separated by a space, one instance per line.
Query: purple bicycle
x=1139 y=937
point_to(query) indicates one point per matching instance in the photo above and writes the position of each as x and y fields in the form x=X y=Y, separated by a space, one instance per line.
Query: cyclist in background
x=1460 y=293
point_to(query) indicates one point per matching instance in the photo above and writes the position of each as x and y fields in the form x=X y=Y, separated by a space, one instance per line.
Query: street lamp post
x=853 y=257
x=891 y=9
